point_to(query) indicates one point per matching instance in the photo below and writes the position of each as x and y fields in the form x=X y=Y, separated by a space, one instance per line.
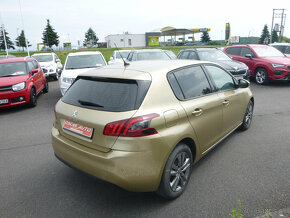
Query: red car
x=265 y=62
x=21 y=80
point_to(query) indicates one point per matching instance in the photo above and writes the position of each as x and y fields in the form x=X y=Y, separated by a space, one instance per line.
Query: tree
x=50 y=37
x=205 y=37
x=275 y=37
x=90 y=37
x=20 y=41
x=9 y=43
x=285 y=39
x=265 y=36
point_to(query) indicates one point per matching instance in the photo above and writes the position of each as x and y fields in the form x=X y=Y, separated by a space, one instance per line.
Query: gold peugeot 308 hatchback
x=143 y=126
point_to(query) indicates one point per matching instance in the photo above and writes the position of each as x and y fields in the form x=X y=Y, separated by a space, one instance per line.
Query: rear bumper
x=133 y=171
x=15 y=98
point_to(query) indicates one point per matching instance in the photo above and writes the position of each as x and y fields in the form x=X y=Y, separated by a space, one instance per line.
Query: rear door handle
x=197 y=112
x=226 y=102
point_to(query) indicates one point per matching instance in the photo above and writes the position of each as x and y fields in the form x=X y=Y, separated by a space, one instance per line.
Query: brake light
x=133 y=127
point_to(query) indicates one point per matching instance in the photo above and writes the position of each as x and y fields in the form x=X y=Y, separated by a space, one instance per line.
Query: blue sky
x=71 y=19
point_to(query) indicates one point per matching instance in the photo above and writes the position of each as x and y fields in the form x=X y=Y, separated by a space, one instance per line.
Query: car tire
x=55 y=77
x=33 y=98
x=176 y=173
x=261 y=76
x=46 y=87
x=248 y=116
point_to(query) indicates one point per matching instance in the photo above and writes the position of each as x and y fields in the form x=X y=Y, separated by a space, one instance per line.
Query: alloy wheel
x=260 y=77
x=249 y=114
x=179 y=172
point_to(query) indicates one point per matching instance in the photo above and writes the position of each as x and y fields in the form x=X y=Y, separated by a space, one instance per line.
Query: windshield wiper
x=88 y=103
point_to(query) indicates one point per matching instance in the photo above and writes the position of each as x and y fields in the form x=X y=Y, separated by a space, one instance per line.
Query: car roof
x=200 y=49
x=84 y=53
x=51 y=53
x=141 y=69
x=147 y=50
x=17 y=59
x=280 y=43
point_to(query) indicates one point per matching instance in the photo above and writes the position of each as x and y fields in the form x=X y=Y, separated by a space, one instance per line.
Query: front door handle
x=197 y=112
x=226 y=102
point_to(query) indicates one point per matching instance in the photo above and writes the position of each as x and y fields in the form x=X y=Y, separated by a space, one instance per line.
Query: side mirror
x=57 y=60
x=243 y=83
x=34 y=71
x=249 y=56
x=111 y=58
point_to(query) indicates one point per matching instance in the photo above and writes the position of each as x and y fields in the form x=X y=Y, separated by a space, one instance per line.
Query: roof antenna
x=125 y=63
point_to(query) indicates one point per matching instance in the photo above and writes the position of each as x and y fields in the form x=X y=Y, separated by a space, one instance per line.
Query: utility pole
x=4 y=37
x=23 y=28
x=278 y=14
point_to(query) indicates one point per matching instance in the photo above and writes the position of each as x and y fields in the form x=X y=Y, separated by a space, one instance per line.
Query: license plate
x=78 y=129
x=3 y=101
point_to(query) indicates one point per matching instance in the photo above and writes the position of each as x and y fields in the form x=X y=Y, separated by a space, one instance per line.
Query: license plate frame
x=81 y=130
x=4 y=101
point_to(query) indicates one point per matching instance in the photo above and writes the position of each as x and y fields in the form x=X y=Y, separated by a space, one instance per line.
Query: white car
x=79 y=62
x=116 y=56
x=50 y=64
x=283 y=47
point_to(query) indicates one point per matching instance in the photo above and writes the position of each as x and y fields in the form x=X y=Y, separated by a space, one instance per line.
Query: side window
x=174 y=86
x=35 y=64
x=233 y=50
x=184 y=55
x=31 y=66
x=245 y=51
x=221 y=78
x=287 y=50
x=192 y=55
x=134 y=56
x=129 y=58
x=55 y=58
x=193 y=82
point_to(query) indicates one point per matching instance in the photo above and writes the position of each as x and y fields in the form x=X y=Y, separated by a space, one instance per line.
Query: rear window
x=107 y=94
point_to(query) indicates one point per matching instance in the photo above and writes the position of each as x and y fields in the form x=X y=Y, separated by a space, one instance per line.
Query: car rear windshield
x=12 y=69
x=107 y=94
x=213 y=55
x=84 y=61
x=152 y=56
x=123 y=53
x=43 y=58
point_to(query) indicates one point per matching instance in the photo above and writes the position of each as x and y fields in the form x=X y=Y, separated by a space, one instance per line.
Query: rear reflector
x=133 y=127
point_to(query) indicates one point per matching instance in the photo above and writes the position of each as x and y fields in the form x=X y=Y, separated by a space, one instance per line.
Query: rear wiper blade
x=88 y=103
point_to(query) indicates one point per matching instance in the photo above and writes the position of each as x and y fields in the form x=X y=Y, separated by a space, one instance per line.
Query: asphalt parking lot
x=251 y=166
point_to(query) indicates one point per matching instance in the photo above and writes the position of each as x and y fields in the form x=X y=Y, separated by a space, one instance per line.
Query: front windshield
x=213 y=55
x=84 y=61
x=12 y=69
x=152 y=56
x=123 y=53
x=43 y=58
x=267 y=51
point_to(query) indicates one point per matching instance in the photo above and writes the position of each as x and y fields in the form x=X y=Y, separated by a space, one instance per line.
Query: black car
x=238 y=69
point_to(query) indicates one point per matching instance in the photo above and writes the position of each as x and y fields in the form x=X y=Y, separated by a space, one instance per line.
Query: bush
x=214 y=43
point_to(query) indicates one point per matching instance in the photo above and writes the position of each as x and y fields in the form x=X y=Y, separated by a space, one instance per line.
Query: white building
x=125 y=40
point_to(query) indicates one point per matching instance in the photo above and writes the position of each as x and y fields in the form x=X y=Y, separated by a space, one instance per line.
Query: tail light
x=133 y=127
